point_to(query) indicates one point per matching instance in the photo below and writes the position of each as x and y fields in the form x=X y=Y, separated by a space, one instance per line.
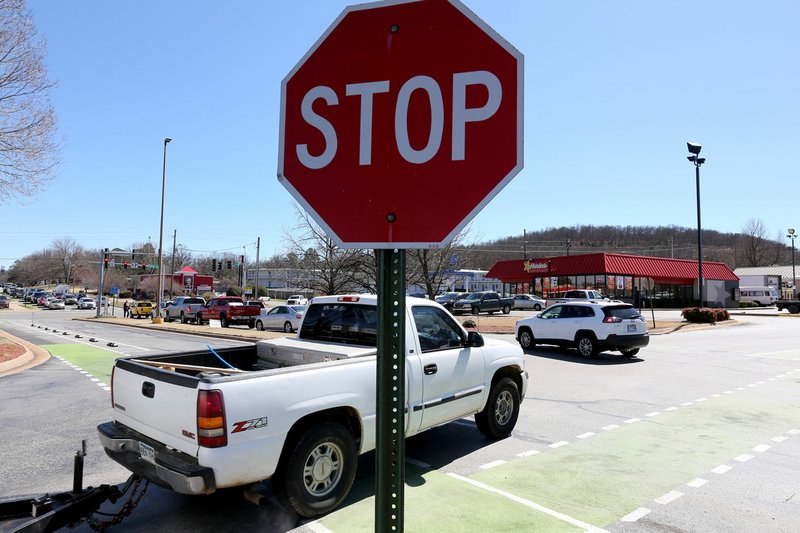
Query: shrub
x=704 y=315
x=469 y=323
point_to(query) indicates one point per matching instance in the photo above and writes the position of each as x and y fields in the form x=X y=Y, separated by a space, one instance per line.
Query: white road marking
x=728 y=392
x=697 y=482
x=673 y=408
x=716 y=395
x=493 y=464
x=794 y=432
x=772 y=379
x=609 y=427
x=631 y=420
x=528 y=453
x=751 y=384
x=559 y=444
x=585 y=435
x=669 y=497
x=686 y=404
x=635 y=515
x=701 y=400
x=417 y=462
x=654 y=413
x=762 y=448
x=316 y=527
x=760 y=382
x=743 y=458
x=739 y=388
x=721 y=469
x=528 y=503
x=779 y=438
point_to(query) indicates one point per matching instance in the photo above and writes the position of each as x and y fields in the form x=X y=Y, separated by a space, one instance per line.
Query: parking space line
x=528 y=503
x=609 y=427
x=762 y=448
x=528 y=453
x=631 y=420
x=585 y=435
x=743 y=458
x=669 y=497
x=697 y=482
x=493 y=464
x=722 y=469
x=559 y=444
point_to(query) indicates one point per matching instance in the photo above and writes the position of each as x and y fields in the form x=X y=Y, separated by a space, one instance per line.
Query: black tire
x=287 y=327
x=526 y=339
x=184 y=320
x=506 y=309
x=587 y=345
x=476 y=310
x=498 y=418
x=223 y=320
x=319 y=471
x=630 y=353
x=251 y=323
x=793 y=309
x=199 y=319
x=537 y=307
x=259 y=325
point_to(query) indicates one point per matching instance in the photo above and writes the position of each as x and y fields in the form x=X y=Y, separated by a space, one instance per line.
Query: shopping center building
x=640 y=280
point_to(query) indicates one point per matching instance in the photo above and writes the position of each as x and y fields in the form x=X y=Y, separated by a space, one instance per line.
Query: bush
x=704 y=315
x=469 y=323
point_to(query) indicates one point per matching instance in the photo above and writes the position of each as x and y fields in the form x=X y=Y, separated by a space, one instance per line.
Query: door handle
x=430 y=370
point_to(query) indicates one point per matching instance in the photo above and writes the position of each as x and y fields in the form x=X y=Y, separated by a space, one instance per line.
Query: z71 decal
x=249 y=424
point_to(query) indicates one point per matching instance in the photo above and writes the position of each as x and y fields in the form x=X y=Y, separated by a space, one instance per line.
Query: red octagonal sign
x=401 y=123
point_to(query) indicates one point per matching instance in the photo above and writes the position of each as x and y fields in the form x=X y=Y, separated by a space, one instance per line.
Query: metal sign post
x=391 y=390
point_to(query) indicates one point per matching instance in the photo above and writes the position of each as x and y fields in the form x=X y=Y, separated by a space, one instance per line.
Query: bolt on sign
x=401 y=123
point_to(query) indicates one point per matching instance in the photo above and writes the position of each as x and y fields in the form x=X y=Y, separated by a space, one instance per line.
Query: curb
x=33 y=356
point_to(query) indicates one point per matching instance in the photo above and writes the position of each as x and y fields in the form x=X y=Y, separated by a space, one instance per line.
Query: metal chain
x=127 y=508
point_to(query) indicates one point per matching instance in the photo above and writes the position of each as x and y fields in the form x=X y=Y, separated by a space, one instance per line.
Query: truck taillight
x=348 y=298
x=211 y=419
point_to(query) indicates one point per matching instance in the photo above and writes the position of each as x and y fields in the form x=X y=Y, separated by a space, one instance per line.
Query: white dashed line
x=610 y=427
x=794 y=432
x=760 y=382
x=654 y=413
x=673 y=408
x=686 y=404
x=743 y=458
x=751 y=384
x=697 y=482
x=528 y=453
x=739 y=388
x=762 y=448
x=779 y=438
x=721 y=469
x=493 y=464
x=635 y=515
x=701 y=400
x=631 y=420
x=728 y=392
x=669 y=497
x=716 y=395
x=585 y=435
x=559 y=444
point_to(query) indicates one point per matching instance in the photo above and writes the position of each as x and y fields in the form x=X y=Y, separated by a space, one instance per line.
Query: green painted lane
x=603 y=478
x=596 y=480
x=97 y=361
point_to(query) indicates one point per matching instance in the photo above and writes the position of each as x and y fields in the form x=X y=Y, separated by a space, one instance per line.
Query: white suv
x=591 y=327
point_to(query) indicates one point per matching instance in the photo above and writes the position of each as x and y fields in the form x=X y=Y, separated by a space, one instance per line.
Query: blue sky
x=613 y=90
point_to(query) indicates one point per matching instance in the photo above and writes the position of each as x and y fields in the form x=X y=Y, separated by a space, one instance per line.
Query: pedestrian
x=126 y=309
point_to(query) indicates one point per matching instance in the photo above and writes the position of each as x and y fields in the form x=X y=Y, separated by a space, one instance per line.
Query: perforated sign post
x=397 y=127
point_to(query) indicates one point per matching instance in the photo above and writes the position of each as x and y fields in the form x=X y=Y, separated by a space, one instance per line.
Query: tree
x=429 y=268
x=28 y=152
x=757 y=249
x=70 y=255
x=325 y=267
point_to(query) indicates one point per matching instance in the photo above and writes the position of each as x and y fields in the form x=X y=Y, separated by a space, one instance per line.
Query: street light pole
x=157 y=319
x=694 y=149
x=793 y=236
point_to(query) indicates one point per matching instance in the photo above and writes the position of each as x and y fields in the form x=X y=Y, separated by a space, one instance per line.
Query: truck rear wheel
x=199 y=319
x=223 y=320
x=506 y=309
x=498 y=418
x=319 y=471
x=793 y=309
x=183 y=318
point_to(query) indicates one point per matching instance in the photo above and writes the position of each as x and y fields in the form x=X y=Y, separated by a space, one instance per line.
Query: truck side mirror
x=474 y=339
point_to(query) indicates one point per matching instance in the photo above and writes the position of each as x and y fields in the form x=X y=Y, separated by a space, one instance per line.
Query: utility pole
x=172 y=264
x=258 y=250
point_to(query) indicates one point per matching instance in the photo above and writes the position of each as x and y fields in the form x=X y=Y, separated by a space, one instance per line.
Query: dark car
x=446 y=300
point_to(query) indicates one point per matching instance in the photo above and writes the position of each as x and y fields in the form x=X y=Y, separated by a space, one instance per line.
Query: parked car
x=142 y=309
x=55 y=303
x=284 y=317
x=297 y=299
x=4 y=301
x=70 y=299
x=528 y=301
x=447 y=299
x=482 y=302
x=183 y=308
x=589 y=326
x=87 y=303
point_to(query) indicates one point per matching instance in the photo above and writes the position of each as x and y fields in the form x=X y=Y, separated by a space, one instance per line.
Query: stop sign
x=402 y=121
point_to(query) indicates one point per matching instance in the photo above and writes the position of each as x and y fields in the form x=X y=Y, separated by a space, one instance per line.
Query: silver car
x=87 y=303
x=528 y=301
x=283 y=317
x=55 y=303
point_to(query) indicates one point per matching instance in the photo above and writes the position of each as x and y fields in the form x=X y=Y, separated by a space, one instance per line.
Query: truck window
x=436 y=330
x=341 y=322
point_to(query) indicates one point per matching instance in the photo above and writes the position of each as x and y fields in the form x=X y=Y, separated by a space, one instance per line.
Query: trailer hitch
x=51 y=512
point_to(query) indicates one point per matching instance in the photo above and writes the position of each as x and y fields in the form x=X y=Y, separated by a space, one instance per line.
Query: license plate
x=631 y=327
x=147 y=453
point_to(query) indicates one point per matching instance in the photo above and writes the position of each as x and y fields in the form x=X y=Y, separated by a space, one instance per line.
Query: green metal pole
x=391 y=387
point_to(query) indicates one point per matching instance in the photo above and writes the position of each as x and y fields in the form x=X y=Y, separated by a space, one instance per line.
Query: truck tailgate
x=157 y=403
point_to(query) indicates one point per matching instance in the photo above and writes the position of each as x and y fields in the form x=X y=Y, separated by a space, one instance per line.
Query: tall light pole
x=792 y=235
x=157 y=319
x=694 y=149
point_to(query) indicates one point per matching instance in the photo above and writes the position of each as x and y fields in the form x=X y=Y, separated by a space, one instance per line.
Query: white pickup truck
x=300 y=410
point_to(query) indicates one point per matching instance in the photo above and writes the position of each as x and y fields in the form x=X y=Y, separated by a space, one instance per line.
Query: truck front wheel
x=499 y=417
x=320 y=470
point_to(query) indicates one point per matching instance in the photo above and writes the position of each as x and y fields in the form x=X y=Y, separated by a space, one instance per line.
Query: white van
x=760 y=296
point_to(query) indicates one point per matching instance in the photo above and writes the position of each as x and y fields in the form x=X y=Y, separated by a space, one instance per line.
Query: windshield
x=341 y=322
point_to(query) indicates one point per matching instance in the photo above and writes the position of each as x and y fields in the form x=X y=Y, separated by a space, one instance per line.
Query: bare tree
x=325 y=267
x=69 y=255
x=757 y=249
x=28 y=152
x=430 y=268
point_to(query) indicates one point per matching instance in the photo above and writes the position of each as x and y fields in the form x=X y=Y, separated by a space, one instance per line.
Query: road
x=701 y=433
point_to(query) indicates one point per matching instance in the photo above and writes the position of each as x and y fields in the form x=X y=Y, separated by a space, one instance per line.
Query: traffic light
x=229 y=264
x=133 y=255
x=213 y=265
x=105 y=259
